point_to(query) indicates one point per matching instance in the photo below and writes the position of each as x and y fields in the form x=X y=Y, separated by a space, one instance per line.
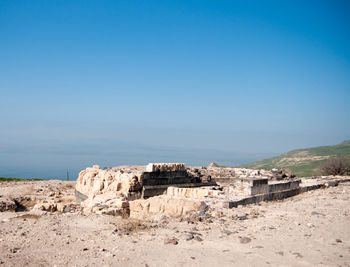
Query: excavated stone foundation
x=145 y=192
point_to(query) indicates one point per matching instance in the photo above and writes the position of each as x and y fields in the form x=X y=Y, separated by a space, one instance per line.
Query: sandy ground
x=309 y=229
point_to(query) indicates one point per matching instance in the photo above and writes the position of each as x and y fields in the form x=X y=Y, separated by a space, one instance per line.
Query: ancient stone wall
x=122 y=183
x=168 y=188
x=106 y=190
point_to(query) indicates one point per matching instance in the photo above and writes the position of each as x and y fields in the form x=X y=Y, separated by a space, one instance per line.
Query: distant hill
x=303 y=162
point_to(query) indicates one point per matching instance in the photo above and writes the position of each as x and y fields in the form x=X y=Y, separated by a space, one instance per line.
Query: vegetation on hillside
x=304 y=162
x=11 y=179
x=336 y=166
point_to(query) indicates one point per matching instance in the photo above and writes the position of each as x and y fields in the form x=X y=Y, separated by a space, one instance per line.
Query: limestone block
x=49 y=207
x=198 y=193
x=160 y=205
x=164 y=167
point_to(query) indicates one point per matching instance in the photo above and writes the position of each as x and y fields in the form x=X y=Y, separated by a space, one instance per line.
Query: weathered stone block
x=163 y=167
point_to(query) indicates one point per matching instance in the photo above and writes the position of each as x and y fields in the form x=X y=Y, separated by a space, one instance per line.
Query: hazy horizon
x=114 y=82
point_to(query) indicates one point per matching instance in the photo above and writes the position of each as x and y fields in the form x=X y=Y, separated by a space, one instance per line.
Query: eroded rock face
x=120 y=182
x=107 y=191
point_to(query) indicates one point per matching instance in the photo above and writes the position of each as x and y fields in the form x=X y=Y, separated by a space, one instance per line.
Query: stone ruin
x=172 y=188
x=158 y=189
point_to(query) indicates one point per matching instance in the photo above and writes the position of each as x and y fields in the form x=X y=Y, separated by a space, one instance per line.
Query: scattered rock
x=14 y=250
x=243 y=217
x=198 y=238
x=203 y=206
x=244 y=240
x=298 y=255
x=171 y=241
x=109 y=254
x=7 y=204
x=317 y=213
x=186 y=236
x=226 y=232
x=310 y=225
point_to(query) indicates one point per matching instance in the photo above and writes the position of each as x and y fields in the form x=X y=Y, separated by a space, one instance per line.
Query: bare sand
x=309 y=229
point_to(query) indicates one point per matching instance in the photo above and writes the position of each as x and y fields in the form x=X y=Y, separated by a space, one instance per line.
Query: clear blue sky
x=127 y=82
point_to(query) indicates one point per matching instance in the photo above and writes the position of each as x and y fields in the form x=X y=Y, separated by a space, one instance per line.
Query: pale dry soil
x=309 y=229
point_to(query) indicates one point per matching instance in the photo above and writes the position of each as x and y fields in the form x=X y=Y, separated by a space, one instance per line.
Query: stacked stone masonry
x=176 y=190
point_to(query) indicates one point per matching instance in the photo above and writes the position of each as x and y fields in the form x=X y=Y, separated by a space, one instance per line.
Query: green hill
x=303 y=162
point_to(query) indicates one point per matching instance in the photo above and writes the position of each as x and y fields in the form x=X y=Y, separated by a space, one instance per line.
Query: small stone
x=198 y=238
x=226 y=232
x=125 y=259
x=14 y=250
x=203 y=206
x=85 y=249
x=297 y=255
x=186 y=236
x=317 y=213
x=243 y=217
x=338 y=241
x=171 y=241
x=109 y=254
x=244 y=240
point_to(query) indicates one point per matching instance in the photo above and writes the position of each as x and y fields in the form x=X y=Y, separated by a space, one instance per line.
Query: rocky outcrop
x=122 y=183
x=7 y=204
